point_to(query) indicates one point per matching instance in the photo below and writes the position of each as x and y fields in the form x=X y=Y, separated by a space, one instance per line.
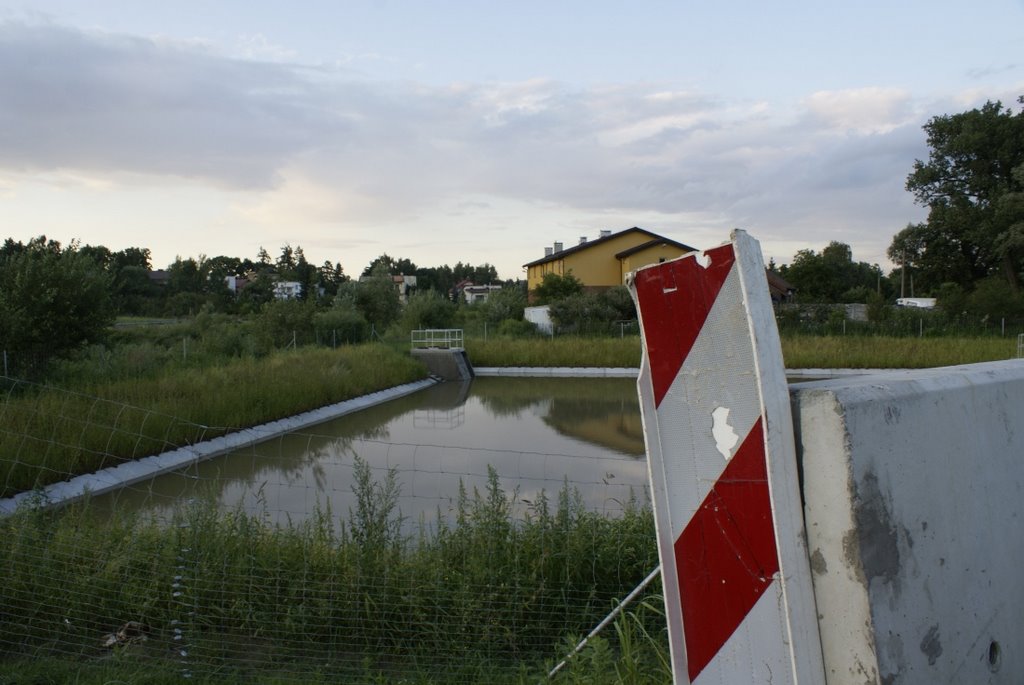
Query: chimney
x=558 y=247
x=605 y=232
x=583 y=240
x=548 y=251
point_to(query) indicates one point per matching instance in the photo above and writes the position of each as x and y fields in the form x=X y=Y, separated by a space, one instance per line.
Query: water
x=537 y=434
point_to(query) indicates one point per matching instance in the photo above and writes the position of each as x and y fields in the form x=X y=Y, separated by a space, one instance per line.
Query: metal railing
x=445 y=338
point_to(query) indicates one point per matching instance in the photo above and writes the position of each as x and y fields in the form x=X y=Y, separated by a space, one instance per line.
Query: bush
x=52 y=301
x=427 y=310
x=517 y=329
x=286 y=320
x=341 y=324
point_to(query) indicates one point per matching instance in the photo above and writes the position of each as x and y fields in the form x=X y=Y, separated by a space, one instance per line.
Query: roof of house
x=778 y=285
x=655 y=240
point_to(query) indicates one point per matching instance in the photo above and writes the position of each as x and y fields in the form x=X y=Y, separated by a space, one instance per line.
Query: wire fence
x=331 y=555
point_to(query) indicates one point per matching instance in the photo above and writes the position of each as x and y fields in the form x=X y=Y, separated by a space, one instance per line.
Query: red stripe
x=674 y=299
x=726 y=556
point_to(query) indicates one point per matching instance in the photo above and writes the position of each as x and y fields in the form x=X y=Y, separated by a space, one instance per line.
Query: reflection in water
x=537 y=433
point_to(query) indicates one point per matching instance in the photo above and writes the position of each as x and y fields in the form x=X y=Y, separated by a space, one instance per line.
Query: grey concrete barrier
x=913 y=484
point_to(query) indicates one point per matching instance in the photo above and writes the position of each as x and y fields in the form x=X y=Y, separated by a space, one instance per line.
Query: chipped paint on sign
x=725 y=436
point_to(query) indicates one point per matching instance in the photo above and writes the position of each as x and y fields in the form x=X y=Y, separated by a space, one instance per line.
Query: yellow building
x=605 y=261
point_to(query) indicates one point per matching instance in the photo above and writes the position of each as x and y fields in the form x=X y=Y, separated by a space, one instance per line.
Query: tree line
x=57 y=298
x=969 y=252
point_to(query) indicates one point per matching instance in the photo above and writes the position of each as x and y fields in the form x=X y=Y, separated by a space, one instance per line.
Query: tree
x=506 y=304
x=554 y=287
x=427 y=309
x=375 y=298
x=52 y=300
x=390 y=266
x=831 y=276
x=972 y=185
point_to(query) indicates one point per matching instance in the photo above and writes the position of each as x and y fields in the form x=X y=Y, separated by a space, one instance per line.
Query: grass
x=51 y=433
x=562 y=351
x=492 y=597
x=861 y=352
x=798 y=351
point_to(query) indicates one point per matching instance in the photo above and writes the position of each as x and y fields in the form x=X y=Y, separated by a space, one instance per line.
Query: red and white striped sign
x=722 y=462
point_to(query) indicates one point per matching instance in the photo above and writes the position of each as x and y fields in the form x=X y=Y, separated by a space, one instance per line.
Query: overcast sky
x=478 y=131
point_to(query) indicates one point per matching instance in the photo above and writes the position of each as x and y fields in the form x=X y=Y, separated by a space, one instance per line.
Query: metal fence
x=437 y=337
x=365 y=556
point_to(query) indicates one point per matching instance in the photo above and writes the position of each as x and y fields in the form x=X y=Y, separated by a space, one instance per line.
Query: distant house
x=604 y=262
x=403 y=285
x=287 y=290
x=471 y=293
x=159 y=276
x=781 y=290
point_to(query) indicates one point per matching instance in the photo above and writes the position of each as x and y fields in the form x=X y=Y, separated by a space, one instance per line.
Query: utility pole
x=903 y=273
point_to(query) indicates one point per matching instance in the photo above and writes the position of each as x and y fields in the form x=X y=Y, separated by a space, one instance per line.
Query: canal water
x=537 y=434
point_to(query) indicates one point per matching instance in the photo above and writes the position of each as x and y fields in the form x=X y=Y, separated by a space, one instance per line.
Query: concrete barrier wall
x=914 y=504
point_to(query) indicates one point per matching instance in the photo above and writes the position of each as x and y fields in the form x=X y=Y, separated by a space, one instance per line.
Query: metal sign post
x=721 y=455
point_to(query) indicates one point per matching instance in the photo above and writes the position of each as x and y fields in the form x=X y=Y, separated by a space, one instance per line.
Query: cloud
x=863 y=110
x=102 y=103
x=319 y=146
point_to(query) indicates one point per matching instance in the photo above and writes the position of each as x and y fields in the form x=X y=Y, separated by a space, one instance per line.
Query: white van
x=920 y=302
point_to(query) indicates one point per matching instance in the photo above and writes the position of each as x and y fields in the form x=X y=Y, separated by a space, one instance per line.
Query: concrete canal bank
x=131 y=472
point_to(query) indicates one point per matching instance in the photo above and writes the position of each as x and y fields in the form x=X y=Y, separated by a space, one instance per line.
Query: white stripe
x=718 y=372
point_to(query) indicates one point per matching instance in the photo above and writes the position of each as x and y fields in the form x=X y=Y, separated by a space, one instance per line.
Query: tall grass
x=561 y=351
x=798 y=351
x=50 y=434
x=485 y=599
x=859 y=352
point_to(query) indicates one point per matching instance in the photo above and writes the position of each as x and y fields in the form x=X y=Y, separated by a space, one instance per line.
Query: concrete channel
x=128 y=473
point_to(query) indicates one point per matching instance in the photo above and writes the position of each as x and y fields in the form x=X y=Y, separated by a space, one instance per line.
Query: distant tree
x=503 y=305
x=286 y=260
x=390 y=266
x=375 y=297
x=437 y=278
x=257 y=293
x=582 y=312
x=133 y=256
x=554 y=287
x=341 y=324
x=52 y=300
x=972 y=185
x=620 y=302
x=331 y=276
x=832 y=275
x=287 y=320
x=427 y=309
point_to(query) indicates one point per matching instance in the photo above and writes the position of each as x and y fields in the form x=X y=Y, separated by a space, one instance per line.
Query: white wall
x=540 y=317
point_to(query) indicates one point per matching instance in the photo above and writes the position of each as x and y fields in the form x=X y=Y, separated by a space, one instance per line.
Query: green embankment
x=56 y=433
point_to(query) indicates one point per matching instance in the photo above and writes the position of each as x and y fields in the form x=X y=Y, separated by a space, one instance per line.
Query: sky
x=449 y=131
